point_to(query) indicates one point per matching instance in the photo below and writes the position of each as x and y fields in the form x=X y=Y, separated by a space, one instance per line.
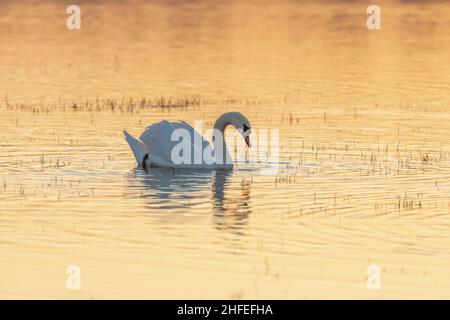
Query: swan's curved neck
x=220 y=146
x=221 y=123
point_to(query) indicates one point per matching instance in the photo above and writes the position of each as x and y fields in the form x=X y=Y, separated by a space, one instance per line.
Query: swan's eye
x=246 y=128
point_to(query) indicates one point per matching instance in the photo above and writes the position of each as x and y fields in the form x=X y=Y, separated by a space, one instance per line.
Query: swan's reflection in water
x=231 y=206
x=186 y=194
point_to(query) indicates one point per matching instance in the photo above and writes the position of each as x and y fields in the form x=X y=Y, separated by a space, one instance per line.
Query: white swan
x=155 y=146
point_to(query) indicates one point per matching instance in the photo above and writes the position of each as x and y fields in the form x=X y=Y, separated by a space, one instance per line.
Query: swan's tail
x=137 y=146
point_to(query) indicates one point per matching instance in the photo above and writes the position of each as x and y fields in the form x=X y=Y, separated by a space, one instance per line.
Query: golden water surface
x=364 y=126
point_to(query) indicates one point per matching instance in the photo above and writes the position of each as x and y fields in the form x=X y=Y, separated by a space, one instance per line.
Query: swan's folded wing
x=198 y=142
x=194 y=133
x=157 y=138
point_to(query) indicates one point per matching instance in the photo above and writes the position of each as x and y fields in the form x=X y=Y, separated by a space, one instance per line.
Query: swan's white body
x=154 y=146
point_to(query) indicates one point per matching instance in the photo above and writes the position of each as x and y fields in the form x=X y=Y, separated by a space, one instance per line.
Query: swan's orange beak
x=247 y=141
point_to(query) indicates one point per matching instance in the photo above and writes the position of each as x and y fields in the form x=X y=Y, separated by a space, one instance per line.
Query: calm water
x=365 y=156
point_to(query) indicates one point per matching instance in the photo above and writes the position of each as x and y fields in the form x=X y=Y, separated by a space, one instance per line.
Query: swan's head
x=239 y=121
x=244 y=128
